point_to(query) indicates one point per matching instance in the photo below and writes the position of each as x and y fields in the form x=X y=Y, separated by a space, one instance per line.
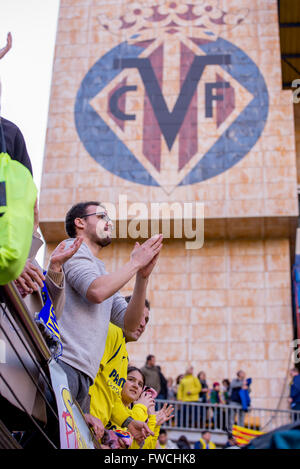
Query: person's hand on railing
x=6 y=48
x=30 y=280
x=95 y=424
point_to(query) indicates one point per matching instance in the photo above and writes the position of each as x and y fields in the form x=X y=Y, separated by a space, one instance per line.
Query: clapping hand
x=60 y=255
x=146 y=254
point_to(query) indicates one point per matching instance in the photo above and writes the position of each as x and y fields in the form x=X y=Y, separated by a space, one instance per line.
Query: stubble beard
x=104 y=241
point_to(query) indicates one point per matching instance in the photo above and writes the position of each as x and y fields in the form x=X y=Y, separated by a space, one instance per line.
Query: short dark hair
x=134 y=368
x=77 y=211
x=147 y=303
x=162 y=431
x=149 y=357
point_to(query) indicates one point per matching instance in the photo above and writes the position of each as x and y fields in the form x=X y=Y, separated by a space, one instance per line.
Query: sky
x=26 y=71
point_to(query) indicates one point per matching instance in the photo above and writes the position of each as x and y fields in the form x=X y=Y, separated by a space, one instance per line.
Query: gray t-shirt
x=83 y=325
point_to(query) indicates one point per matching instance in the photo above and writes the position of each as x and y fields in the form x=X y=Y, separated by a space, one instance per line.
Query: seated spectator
x=205 y=442
x=183 y=442
x=164 y=442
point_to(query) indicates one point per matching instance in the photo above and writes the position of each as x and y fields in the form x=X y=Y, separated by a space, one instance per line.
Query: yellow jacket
x=105 y=393
x=189 y=384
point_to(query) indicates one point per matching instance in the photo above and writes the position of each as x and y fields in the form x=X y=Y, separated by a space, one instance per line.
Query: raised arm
x=105 y=286
x=6 y=48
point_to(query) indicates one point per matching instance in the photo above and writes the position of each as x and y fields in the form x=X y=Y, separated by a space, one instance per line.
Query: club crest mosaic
x=174 y=103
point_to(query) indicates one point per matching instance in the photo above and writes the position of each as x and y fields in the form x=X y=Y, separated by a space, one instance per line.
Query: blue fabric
x=245 y=396
x=47 y=322
x=295 y=391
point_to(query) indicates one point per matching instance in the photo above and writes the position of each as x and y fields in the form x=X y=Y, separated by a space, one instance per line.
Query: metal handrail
x=21 y=315
x=198 y=416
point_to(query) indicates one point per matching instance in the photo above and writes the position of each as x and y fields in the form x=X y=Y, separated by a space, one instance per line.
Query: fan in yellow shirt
x=133 y=394
x=188 y=392
x=105 y=392
x=189 y=387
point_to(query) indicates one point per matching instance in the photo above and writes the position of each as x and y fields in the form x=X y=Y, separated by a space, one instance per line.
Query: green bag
x=17 y=198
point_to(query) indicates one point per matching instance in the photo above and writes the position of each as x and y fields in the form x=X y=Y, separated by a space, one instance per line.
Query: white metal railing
x=196 y=416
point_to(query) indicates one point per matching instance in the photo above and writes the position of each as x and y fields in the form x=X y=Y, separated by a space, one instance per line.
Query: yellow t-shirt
x=106 y=390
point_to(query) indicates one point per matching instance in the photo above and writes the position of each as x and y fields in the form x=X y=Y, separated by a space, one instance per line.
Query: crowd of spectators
x=190 y=388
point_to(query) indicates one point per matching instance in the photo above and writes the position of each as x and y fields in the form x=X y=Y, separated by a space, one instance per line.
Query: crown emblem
x=205 y=19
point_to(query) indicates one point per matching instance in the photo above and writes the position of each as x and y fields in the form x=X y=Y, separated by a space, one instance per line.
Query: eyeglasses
x=102 y=216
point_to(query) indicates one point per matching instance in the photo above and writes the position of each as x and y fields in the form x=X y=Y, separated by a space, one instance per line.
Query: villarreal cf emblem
x=174 y=102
